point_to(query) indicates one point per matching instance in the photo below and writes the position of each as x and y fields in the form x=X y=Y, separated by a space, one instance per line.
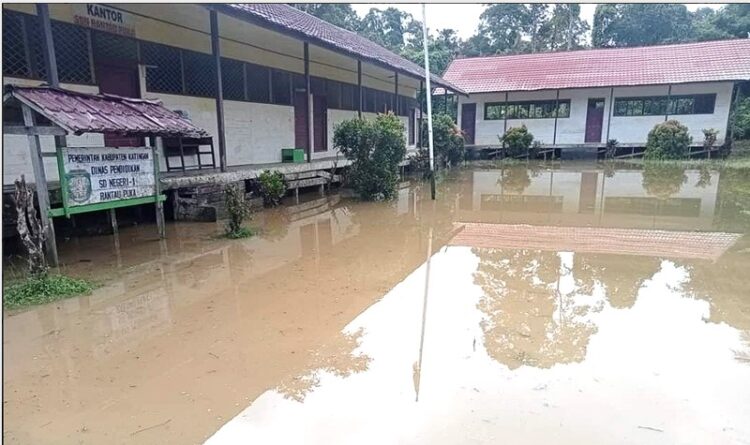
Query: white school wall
x=626 y=129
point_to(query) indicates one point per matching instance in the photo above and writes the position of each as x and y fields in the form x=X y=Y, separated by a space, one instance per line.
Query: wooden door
x=120 y=79
x=320 y=123
x=468 y=122
x=594 y=120
x=300 y=120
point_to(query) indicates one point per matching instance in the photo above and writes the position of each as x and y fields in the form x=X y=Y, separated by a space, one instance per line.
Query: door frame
x=473 y=123
x=588 y=113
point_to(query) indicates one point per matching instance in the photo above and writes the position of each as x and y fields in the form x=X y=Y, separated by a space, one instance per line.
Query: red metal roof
x=290 y=20
x=658 y=243
x=79 y=113
x=723 y=60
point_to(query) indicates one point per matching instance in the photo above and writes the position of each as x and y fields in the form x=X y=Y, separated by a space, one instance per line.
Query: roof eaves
x=265 y=23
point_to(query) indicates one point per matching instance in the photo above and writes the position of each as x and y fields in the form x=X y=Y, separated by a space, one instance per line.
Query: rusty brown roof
x=657 y=243
x=291 y=21
x=79 y=113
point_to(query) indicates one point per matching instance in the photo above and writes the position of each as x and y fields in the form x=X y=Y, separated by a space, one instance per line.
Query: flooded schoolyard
x=574 y=304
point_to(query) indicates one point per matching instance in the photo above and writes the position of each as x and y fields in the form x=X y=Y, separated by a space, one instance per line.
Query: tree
x=639 y=24
x=567 y=28
x=504 y=25
x=339 y=14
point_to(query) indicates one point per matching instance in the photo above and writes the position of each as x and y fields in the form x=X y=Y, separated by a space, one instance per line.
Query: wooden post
x=40 y=183
x=669 y=99
x=216 y=51
x=113 y=221
x=395 y=94
x=557 y=113
x=445 y=100
x=42 y=10
x=308 y=102
x=505 y=120
x=421 y=112
x=156 y=144
x=611 y=106
x=359 y=89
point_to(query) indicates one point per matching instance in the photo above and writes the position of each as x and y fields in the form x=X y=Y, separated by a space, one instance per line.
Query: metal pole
x=40 y=183
x=428 y=95
x=216 y=51
x=359 y=89
x=308 y=127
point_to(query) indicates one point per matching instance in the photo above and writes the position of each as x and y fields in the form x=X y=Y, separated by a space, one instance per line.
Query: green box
x=295 y=155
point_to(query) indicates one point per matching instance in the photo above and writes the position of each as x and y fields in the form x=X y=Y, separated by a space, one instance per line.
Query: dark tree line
x=515 y=28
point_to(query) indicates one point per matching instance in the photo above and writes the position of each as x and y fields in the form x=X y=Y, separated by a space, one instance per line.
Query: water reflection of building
x=627 y=198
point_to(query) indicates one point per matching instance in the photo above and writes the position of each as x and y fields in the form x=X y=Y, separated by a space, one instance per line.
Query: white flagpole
x=428 y=93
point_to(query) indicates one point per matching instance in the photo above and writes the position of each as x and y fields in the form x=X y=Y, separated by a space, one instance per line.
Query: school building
x=584 y=98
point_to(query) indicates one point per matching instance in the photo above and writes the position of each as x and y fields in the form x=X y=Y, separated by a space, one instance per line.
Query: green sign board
x=99 y=178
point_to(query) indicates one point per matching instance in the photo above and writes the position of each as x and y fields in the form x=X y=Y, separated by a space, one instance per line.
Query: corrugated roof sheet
x=288 y=19
x=80 y=113
x=723 y=60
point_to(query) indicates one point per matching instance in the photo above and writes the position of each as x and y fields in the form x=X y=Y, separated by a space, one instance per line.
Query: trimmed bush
x=272 y=187
x=375 y=147
x=668 y=140
x=517 y=141
x=741 y=124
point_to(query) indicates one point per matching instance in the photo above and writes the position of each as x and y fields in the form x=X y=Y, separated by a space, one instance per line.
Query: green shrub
x=375 y=147
x=447 y=139
x=709 y=137
x=517 y=141
x=238 y=209
x=44 y=289
x=272 y=187
x=668 y=140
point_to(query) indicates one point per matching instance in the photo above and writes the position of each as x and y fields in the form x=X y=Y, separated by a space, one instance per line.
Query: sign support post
x=155 y=142
x=40 y=183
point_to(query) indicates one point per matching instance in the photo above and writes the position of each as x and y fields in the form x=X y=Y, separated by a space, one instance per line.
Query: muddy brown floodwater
x=578 y=304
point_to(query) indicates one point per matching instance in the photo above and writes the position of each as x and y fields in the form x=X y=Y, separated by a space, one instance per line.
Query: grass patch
x=242 y=232
x=34 y=291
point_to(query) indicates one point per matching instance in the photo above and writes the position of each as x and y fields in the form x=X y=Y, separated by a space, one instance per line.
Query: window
x=333 y=94
x=281 y=87
x=369 y=100
x=165 y=73
x=232 y=79
x=200 y=74
x=108 y=46
x=348 y=96
x=72 y=53
x=258 y=83
x=542 y=109
x=662 y=105
x=15 y=62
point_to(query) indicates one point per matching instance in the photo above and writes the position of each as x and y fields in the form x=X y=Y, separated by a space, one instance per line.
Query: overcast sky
x=464 y=17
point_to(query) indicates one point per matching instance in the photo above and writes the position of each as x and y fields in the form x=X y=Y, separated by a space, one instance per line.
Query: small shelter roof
x=79 y=113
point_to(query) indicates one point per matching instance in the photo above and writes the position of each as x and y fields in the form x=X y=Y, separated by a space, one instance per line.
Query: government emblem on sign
x=79 y=185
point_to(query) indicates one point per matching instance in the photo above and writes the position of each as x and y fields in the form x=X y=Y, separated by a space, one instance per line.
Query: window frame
x=528 y=108
x=672 y=105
